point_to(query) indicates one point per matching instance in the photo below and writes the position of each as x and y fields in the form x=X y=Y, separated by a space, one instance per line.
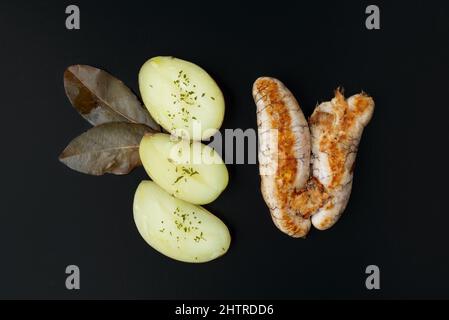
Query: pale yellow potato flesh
x=182 y=97
x=178 y=229
x=188 y=170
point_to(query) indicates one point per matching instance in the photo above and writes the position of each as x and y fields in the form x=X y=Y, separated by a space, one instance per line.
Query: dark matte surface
x=397 y=217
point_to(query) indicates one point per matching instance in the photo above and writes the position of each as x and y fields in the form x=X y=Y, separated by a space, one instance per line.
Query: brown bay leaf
x=100 y=98
x=107 y=148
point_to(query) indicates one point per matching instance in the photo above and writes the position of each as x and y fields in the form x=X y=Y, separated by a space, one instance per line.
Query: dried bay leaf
x=100 y=98
x=107 y=148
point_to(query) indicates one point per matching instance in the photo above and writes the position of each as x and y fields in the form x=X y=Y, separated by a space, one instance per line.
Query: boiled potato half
x=181 y=97
x=189 y=170
x=176 y=228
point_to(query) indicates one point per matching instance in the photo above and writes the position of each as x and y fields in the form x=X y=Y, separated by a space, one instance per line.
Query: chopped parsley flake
x=178 y=179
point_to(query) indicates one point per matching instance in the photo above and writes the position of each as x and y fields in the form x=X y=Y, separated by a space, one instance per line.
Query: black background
x=397 y=218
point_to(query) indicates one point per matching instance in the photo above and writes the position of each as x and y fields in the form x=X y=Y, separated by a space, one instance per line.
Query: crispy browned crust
x=280 y=119
x=278 y=106
x=309 y=199
x=335 y=140
x=338 y=135
x=337 y=127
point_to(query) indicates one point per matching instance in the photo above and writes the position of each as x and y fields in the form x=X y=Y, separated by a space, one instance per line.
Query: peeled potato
x=181 y=97
x=176 y=228
x=189 y=170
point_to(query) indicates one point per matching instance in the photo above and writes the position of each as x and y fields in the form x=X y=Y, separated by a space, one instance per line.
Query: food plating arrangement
x=306 y=166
